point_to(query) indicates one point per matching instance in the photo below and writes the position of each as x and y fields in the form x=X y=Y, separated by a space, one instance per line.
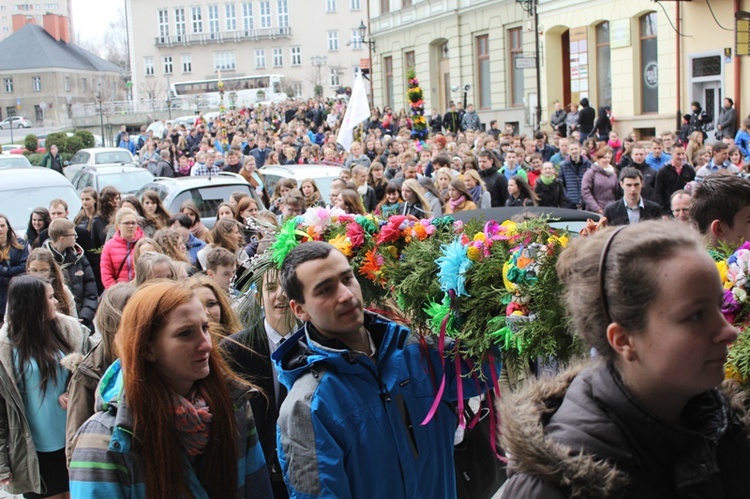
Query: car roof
x=301 y=171
x=223 y=178
x=22 y=177
x=110 y=167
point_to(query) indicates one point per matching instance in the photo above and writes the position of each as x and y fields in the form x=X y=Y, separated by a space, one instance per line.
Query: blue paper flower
x=453 y=266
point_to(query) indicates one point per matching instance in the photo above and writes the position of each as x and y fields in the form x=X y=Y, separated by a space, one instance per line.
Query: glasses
x=129 y=224
x=72 y=235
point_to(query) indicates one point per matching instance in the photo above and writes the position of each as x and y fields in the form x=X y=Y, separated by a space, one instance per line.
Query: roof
x=31 y=47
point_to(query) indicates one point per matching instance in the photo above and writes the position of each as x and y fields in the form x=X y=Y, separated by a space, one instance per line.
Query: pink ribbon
x=441 y=389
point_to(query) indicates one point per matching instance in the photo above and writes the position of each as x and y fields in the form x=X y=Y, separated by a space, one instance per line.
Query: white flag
x=357 y=111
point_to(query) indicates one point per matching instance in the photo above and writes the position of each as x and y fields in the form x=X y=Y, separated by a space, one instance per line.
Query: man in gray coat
x=726 y=125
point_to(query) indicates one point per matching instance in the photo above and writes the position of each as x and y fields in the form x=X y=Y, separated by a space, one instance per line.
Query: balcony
x=223 y=37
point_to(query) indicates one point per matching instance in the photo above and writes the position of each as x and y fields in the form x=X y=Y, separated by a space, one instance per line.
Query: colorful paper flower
x=356 y=235
x=453 y=266
x=371 y=266
x=343 y=244
x=285 y=242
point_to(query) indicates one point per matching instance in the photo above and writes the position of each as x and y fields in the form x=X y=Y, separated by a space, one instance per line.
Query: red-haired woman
x=173 y=420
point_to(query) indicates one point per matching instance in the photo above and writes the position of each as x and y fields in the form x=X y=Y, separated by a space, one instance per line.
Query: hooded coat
x=117 y=263
x=583 y=435
x=79 y=276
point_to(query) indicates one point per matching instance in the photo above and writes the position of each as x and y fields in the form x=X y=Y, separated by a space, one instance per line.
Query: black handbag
x=479 y=472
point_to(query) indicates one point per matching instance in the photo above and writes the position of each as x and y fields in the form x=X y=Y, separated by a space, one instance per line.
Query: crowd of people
x=122 y=351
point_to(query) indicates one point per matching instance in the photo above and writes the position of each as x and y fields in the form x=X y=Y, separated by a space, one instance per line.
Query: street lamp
x=530 y=7
x=318 y=61
x=362 y=30
x=100 y=99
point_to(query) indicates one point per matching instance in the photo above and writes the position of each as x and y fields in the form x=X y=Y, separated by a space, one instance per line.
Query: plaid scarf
x=193 y=418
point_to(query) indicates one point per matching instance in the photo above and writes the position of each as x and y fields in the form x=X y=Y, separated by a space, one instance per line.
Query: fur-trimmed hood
x=582 y=435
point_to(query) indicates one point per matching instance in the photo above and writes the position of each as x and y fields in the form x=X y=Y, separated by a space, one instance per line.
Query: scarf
x=193 y=420
x=455 y=203
x=609 y=170
x=198 y=230
x=476 y=194
x=547 y=180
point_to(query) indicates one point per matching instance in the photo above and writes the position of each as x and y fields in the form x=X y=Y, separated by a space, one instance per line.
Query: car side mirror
x=66 y=163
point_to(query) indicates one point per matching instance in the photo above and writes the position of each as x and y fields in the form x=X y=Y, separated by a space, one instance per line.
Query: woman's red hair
x=150 y=401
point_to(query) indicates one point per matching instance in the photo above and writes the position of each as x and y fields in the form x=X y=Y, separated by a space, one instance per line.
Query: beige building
x=35 y=10
x=308 y=43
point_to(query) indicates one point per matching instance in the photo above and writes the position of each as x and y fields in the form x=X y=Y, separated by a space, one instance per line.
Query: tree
x=115 y=41
x=31 y=143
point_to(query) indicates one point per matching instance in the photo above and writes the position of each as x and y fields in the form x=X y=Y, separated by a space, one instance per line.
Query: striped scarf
x=193 y=419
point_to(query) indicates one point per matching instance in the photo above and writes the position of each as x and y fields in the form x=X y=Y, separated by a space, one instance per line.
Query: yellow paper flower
x=473 y=253
x=510 y=227
x=343 y=244
x=508 y=285
x=561 y=241
x=723 y=268
x=392 y=250
x=479 y=236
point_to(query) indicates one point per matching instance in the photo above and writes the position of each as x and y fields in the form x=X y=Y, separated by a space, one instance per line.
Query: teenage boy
x=720 y=206
x=632 y=208
x=221 y=265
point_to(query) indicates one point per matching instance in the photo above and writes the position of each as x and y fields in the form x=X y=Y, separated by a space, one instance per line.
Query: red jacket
x=114 y=256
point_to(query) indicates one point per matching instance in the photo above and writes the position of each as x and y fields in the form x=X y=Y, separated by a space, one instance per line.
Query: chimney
x=51 y=25
x=63 y=27
x=21 y=20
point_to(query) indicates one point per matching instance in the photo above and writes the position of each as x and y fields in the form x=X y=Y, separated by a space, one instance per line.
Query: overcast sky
x=91 y=17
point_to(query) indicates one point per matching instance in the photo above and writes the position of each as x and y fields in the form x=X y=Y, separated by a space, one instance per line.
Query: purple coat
x=598 y=189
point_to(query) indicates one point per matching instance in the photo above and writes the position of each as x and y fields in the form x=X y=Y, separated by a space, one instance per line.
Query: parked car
x=7 y=148
x=188 y=121
x=322 y=174
x=127 y=179
x=97 y=156
x=13 y=161
x=206 y=192
x=21 y=149
x=559 y=218
x=23 y=189
x=15 y=122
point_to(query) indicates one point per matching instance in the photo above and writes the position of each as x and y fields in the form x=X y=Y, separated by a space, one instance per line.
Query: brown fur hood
x=557 y=459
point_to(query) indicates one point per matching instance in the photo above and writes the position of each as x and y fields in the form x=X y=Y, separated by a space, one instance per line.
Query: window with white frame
x=36 y=83
x=356 y=40
x=265 y=14
x=84 y=85
x=296 y=53
x=163 y=25
x=282 y=8
x=179 y=24
x=197 y=20
x=335 y=78
x=278 y=57
x=224 y=60
x=330 y=5
x=187 y=63
x=168 y=66
x=297 y=85
x=333 y=40
x=67 y=83
x=260 y=58
x=355 y=5
x=213 y=20
x=148 y=65
x=247 y=18
x=231 y=16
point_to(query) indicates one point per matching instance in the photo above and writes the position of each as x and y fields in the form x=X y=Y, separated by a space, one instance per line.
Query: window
x=409 y=60
x=231 y=15
x=247 y=18
x=8 y=84
x=260 y=58
x=385 y=6
x=148 y=66
x=224 y=60
x=282 y=6
x=278 y=57
x=388 y=66
x=649 y=64
x=167 y=64
x=197 y=20
x=67 y=83
x=483 y=72
x=213 y=21
x=335 y=78
x=187 y=63
x=330 y=5
x=85 y=84
x=333 y=40
x=297 y=85
x=355 y=4
x=516 y=75
x=163 y=25
x=36 y=83
x=179 y=24
x=356 y=40
x=407 y=3
x=265 y=14
x=296 y=53
x=603 y=65
x=11 y=110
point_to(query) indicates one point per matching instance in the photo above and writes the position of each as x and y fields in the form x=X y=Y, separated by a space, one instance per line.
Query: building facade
x=309 y=43
x=623 y=54
x=34 y=10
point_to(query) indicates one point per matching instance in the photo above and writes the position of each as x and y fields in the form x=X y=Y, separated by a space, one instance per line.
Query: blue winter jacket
x=351 y=428
x=10 y=268
x=103 y=463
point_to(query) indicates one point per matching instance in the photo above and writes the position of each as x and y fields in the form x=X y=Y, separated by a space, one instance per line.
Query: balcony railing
x=223 y=37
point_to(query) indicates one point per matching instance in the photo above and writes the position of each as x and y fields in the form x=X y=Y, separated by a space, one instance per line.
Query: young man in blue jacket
x=359 y=389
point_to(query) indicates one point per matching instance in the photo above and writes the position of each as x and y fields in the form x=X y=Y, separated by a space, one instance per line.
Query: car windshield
x=208 y=199
x=103 y=158
x=6 y=161
x=128 y=182
x=19 y=203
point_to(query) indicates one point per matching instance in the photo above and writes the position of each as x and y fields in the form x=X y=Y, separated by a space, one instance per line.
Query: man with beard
x=359 y=387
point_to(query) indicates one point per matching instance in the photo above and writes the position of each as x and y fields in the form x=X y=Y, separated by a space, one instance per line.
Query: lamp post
x=100 y=99
x=530 y=7
x=362 y=30
x=318 y=61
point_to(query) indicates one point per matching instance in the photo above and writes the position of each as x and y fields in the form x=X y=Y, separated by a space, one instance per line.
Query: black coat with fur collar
x=582 y=435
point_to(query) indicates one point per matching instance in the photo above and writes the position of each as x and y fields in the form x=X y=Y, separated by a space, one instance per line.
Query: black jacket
x=668 y=181
x=451 y=121
x=586 y=117
x=551 y=194
x=436 y=124
x=79 y=276
x=617 y=213
x=496 y=184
